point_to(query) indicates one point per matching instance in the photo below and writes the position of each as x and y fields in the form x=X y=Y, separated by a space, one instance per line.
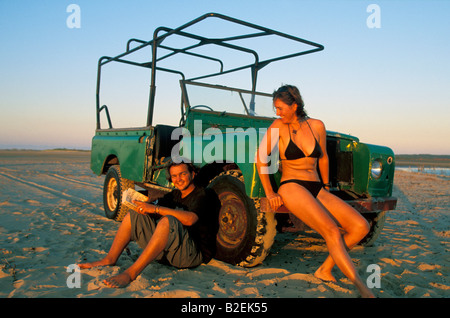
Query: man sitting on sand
x=181 y=230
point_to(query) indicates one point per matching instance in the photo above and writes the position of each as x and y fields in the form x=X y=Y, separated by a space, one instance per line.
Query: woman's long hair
x=289 y=95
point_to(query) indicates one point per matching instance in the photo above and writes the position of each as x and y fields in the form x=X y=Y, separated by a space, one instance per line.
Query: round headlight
x=376 y=169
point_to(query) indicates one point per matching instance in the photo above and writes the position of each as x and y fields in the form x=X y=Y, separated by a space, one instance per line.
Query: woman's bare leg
x=121 y=240
x=354 y=225
x=300 y=202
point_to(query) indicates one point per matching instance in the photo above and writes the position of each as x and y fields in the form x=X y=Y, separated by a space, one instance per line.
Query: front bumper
x=372 y=205
x=290 y=223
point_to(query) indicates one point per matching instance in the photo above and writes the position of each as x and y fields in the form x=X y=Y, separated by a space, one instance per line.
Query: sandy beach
x=51 y=212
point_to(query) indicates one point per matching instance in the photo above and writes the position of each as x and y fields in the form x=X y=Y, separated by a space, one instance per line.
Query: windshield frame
x=249 y=109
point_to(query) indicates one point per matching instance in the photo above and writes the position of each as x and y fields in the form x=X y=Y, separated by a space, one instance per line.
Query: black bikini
x=313 y=187
x=293 y=152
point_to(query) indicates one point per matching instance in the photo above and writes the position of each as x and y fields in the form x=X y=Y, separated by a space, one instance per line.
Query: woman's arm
x=323 y=161
x=265 y=149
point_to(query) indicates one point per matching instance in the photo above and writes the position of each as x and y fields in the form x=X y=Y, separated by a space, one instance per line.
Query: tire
x=113 y=189
x=245 y=233
x=376 y=222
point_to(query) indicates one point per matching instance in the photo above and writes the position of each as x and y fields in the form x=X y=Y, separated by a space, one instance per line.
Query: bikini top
x=293 y=152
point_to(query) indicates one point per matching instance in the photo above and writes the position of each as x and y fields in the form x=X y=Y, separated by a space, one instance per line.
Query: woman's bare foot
x=119 y=281
x=103 y=262
x=326 y=276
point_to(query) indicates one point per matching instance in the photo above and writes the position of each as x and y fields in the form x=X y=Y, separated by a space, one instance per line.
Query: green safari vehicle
x=219 y=130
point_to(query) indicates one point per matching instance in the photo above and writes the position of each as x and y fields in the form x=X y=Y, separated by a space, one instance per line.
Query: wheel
x=245 y=233
x=376 y=222
x=113 y=189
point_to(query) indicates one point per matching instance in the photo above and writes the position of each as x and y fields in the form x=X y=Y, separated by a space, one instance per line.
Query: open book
x=129 y=195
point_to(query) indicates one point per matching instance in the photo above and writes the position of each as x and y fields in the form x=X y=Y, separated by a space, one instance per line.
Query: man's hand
x=143 y=207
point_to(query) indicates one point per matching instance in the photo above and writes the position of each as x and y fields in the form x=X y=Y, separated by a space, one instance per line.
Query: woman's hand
x=275 y=201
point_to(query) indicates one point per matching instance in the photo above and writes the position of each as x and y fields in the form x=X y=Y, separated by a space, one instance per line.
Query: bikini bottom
x=313 y=187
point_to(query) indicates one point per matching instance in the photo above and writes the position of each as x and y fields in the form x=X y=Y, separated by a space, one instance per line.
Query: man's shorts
x=180 y=251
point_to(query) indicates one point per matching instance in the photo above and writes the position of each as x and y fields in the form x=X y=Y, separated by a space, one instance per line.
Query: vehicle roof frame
x=158 y=39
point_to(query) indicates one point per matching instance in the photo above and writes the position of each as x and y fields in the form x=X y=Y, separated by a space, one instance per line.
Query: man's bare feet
x=324 y=275
x=119 y=281
x=103 y=262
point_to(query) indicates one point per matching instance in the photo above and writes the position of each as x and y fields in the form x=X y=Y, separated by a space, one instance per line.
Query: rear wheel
x=245 y=233
x=113 y=189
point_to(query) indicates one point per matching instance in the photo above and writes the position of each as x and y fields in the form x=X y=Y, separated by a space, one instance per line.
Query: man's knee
x=127 y=218
x=164 y=222
x=126 y=222
x=169 y=222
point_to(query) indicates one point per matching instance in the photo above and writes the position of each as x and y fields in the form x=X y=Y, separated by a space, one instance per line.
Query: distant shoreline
x=442 y=161
x=420 y=160
x=54 y=149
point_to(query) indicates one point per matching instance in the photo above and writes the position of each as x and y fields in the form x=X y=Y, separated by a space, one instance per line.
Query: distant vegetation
x=67 y=149
x=422 y=160
x=53 y=149
x=442 y=161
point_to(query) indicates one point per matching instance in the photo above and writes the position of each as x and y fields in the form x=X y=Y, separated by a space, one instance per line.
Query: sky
x=384 y=75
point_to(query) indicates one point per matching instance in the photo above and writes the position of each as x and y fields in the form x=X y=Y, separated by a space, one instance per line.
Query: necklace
x=294 y=131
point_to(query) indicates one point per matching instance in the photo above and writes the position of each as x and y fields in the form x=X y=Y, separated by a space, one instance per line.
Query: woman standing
x=302 y=145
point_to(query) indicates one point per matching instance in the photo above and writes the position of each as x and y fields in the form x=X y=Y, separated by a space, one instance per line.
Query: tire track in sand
x=45 y=188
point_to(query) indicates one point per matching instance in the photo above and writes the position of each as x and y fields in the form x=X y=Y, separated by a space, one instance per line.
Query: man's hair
x=182 y=161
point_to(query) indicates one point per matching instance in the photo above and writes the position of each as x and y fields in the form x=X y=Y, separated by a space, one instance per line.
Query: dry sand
x=52 y=216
